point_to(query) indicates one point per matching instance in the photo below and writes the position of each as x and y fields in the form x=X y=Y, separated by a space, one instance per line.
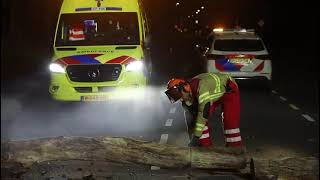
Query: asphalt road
x=271 y=125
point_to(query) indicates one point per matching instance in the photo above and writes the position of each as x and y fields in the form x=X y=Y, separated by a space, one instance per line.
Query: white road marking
x=155 y=168
x=283 y=98
x=308 y=118
x=293 y=107
x=163 y=139
x=311 y=140
x=172 y=110
x=274 y=92
x=169 y=122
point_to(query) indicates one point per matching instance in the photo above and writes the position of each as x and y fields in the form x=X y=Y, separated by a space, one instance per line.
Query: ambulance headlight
x=135 y=66
x=57 y=68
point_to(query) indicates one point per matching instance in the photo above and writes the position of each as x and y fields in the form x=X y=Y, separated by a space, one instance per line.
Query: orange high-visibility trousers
x=230 y=103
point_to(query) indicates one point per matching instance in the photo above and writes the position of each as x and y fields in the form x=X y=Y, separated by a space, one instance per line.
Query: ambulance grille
x=83 y=89
x=94 y=73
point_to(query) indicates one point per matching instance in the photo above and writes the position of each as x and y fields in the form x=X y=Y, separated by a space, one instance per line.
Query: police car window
x=238 y=45
x=85 y=29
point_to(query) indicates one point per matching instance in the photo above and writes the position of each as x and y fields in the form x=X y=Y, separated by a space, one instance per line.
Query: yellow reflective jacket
x=207 y=88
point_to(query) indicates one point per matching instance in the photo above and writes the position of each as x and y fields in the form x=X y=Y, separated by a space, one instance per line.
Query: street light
x=202 y=7
x=177 y=4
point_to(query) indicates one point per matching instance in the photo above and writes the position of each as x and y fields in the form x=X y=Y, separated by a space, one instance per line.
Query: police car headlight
x=135 y=66
x=56 y=68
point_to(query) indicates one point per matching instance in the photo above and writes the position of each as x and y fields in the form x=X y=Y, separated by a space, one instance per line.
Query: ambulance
x=101 y=50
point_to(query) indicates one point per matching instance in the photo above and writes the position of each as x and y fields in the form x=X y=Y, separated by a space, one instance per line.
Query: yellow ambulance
x=101 y=50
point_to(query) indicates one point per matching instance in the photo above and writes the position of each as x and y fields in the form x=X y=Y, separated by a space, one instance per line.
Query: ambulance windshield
x=94 y=29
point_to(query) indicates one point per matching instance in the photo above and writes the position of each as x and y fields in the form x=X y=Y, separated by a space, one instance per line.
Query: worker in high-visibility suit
x=201 y=95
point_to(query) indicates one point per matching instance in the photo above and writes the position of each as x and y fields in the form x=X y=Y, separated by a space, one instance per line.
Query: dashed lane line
x=308 y=118
x=294 y=107
x=163 y=140
x=169 y=122
x=283 y=98
x=155 y=168
x=164 y=137
x=172 y=110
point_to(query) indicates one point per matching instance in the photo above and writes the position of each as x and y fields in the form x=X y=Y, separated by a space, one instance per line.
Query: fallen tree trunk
x=125 y=150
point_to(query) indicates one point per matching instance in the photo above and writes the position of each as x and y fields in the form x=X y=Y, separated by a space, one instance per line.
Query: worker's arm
x=194 y=142
x=204 y=99
x=193 y=109
x=230 y=85
x=234 y=84
x=202 y=117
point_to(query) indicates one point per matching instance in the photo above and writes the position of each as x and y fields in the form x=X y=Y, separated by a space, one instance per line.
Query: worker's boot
x=238 y=149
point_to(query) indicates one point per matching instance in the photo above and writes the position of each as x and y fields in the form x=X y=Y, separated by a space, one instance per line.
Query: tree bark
x=125 y=150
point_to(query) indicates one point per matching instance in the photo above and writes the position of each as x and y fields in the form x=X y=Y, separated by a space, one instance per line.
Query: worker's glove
x=194 y=142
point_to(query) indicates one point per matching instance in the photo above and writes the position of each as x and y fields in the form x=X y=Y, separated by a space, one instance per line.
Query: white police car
x=241 y=53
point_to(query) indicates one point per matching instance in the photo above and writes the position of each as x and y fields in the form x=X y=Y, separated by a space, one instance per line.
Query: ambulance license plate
x=94 y=98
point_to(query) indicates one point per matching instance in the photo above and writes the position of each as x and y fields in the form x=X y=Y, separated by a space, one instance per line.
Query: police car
x=241 y=53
